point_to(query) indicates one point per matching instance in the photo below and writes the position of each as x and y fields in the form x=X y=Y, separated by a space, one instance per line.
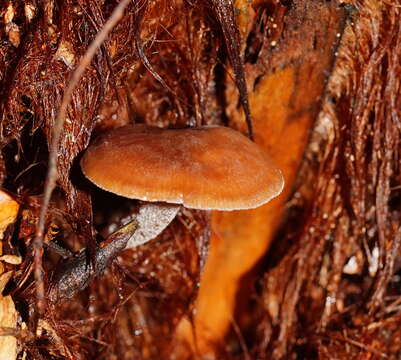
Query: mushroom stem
x=152 y=218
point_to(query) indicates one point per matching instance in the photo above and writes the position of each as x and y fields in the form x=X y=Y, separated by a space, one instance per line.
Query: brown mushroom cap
x=208 y=167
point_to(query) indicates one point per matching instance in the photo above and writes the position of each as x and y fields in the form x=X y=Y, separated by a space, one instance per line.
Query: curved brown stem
x=75 y=274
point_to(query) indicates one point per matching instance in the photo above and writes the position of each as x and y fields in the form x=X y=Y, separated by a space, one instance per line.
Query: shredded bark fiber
x=155 y=67
x=332 y=285
x=288 y=81
x=329 y=286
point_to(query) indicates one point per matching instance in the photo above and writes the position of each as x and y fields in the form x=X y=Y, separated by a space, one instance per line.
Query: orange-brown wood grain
x=284 y=104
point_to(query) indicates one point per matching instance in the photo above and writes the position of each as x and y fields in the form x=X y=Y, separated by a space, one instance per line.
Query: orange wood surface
x=284 y=104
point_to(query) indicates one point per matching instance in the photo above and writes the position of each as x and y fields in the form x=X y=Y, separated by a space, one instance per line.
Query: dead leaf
x=9 y=14
x=8 y=319
x=13 y=34
x=65 y=53
x=8 y=212
x=11 y=259
x=29 y=11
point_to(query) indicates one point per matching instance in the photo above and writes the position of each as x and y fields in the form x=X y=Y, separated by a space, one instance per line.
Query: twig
x=51 y=176
x=75 y=274
x=225 y=13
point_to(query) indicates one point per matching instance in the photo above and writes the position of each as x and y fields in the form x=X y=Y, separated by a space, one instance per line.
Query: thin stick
x=52 y=167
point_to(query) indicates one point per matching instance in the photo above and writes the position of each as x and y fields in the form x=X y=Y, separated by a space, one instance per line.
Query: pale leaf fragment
x=11 y=259
x=65 y=53
x=9 y=14
x=13 y=34
x=8 y=212
x=29 y=10
x=8 y=319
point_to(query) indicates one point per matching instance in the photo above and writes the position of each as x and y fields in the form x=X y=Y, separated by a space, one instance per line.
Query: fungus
x=207 y=168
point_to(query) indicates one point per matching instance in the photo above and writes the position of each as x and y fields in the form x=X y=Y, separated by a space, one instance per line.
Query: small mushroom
x=209 y=168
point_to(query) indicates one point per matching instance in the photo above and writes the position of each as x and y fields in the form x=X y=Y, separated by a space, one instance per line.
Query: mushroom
x=208 y=168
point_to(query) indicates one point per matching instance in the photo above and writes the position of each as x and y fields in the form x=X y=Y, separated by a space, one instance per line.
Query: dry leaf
x=8 y=212
x=29 y=11
x=4 y=278
x=11 y=259
x=8 y=319
x=65 y=53
x=13 y=34
x=9 y=14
